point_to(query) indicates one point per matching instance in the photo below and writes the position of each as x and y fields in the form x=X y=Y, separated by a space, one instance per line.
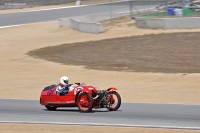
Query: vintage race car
x=83 y=96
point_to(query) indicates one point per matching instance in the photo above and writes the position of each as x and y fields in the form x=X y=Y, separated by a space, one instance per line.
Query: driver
x=63 y=86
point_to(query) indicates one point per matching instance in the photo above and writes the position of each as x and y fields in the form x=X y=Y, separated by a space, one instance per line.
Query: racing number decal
x=50 y=92
x=77 y=90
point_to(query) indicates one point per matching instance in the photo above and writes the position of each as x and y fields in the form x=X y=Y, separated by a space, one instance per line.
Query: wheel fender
x=76 y=98
x=112 y=89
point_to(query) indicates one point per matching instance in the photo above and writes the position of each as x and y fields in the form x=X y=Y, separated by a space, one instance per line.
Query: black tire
x=51 y=107
x=84 y=106
x=118 y=104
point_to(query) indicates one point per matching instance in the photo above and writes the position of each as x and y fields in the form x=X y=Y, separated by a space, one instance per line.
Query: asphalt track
x=50 y=15
x=19 y=18
x=174 y=116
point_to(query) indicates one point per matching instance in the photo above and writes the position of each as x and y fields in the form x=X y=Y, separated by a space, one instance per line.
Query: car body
x=85 y=97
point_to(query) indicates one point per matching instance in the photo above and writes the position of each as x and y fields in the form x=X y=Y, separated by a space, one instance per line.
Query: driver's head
x=64 y=80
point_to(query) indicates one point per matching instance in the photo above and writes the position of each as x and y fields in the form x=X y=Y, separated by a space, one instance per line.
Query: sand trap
x=27 y=128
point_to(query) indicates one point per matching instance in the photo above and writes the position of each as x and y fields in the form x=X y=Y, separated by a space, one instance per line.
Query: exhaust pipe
x=96 y=97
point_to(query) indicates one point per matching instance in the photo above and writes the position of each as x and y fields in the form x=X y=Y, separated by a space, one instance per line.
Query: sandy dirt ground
x=87 y=2
x=14 y=128
x=24 y=77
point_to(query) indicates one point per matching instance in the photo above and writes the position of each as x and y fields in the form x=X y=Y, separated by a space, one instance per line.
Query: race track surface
x=50 y=15
x=54 y=14
x=129 y=115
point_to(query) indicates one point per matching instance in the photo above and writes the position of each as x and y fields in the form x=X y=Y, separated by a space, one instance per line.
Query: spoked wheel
x=113 y=101
x=51 y=107
x=85 y=102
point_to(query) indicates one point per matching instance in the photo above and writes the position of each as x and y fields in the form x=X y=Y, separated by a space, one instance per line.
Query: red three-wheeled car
x=83 y=96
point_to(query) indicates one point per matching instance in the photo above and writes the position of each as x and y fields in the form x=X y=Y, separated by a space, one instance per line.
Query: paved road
x=129 y=114
x=53 y=14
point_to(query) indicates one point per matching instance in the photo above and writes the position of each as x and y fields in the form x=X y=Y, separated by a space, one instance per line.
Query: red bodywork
x=85 y=97
x=50 y=98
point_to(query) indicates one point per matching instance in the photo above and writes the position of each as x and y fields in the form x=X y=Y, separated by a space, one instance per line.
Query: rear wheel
x=85 y=102
x=51 y=107
x=113 y=101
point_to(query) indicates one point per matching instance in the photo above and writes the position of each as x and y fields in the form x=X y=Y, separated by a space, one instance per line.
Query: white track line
x=101 y=124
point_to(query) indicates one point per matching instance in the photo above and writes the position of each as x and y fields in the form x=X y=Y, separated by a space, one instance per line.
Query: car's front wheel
x=85 y=102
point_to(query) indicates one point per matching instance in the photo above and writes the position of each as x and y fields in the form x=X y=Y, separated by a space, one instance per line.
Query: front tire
x=85 y=102
x=51 y=108
x=113 y=101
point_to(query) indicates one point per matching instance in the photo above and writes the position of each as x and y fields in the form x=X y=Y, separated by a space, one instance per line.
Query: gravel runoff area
x=165 y=53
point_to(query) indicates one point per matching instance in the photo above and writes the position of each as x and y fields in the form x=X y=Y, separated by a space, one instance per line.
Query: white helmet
x=64 y=80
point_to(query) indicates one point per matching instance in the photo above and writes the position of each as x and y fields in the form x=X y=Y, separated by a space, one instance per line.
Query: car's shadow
x=77 y=110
